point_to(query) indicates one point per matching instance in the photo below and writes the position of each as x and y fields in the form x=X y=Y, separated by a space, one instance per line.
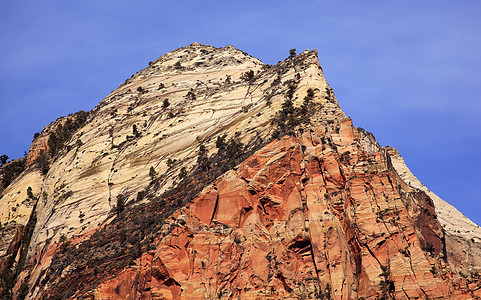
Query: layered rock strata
x=321 y=212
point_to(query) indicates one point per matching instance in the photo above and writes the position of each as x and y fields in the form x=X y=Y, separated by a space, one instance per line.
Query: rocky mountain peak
x=197 y=56
x=210 y=174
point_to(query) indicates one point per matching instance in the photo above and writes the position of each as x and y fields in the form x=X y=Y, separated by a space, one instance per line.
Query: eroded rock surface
x=300 y=220
x=131 y=206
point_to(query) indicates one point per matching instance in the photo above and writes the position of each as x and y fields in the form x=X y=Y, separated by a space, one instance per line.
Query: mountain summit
x=210 y=174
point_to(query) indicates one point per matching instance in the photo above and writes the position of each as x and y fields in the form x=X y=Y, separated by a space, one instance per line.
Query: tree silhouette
x=3 y=159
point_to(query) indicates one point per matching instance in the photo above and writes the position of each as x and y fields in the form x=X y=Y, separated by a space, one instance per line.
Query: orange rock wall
x=304 y=217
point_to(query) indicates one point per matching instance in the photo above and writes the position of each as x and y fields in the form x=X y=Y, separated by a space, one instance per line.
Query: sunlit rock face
x=212 y=175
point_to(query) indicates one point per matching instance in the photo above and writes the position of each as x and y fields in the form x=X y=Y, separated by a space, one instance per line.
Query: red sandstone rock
x=293 y=223
x=323 y=214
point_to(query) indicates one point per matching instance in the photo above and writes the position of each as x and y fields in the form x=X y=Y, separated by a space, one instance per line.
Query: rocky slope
x=209 y=174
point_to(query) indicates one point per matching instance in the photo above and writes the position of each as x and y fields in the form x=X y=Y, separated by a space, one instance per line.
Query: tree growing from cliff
x=202 y=159
x=220 y=142
x=62 y=134
x=387 y=285
x=191 y=95
x=182 y=173
x=287 y=118
x=171 y=162
x=292 y=53
x=141 y=90
x=152 y=173
x=248 y=76
x=121 y=200
x=165 y=104
x=42 y=162
x=30 y=193
x=135 y=132
x=307 y=103
x=11 y=171
x=3 y=159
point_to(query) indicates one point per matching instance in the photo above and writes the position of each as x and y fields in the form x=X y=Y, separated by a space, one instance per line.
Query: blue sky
x=408 y=71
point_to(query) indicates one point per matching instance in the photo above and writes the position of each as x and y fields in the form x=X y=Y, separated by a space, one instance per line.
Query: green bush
x=191 y=95
x=141 y=90
x=202 y=159
x=135 y=132
x=3 y=159
x=30 y=193
x=11 y=171
x=292 y=53
x=42 y=162
x=166 y=103
x=121 y=201
x=152 y=173
x=248 y=76
x=182 y=173
x=63 y=133
x=170 y=162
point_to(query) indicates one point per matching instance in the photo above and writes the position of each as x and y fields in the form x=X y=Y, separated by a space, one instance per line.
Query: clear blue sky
x=408 y=71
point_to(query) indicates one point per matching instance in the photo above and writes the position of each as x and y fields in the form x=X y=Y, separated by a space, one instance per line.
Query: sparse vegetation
x=182 y=173
x=430 y=249
x=42 y=162
x=307 y=106
x=345 y=157
x=141 y=90
x=170 y=162
x=289 y=116
x=292 y=53
x=191 y=95
x=202 y=159
x=248 y=76
x=121 y=201
x=405 y=251
x=30 y=193
x=152 y=173
x=10 y=171
x=3 y=159
x=165 y=104
x=7 y=281
x=140 y=195
x=140 y=224
x=135 y=131
x=63 y=133
x=386 y=284
x=326 y=294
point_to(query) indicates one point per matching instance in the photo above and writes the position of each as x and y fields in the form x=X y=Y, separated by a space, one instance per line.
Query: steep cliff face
x=142 y=202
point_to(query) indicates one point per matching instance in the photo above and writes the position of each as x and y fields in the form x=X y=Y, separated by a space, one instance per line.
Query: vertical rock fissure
x=304 y=203
x=215 y=206
x=26 y=238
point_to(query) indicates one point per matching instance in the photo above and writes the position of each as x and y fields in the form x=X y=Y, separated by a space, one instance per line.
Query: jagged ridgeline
x=212 y=175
